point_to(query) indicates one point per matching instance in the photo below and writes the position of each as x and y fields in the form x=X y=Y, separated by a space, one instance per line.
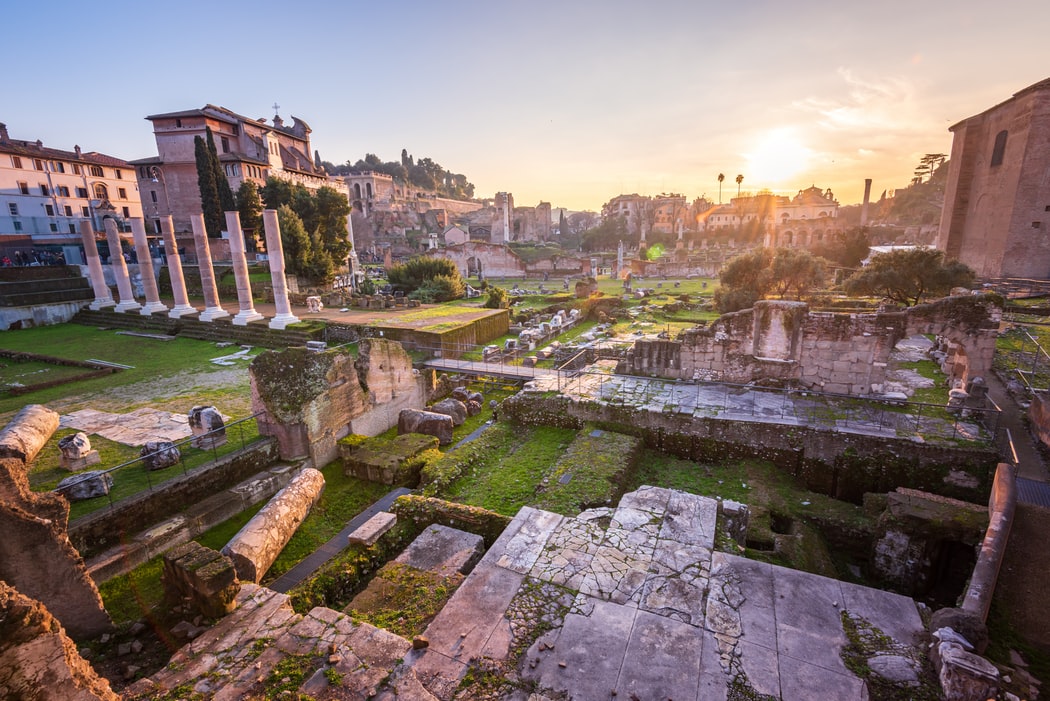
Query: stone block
x=158 y=455
x=27 y=432
x=444 y=551
x=372 y=529
x=86 y=485
x=451 y=407
x=202 y=576
x=426 y=422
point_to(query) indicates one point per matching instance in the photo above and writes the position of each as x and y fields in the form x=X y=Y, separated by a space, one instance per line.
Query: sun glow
x=777 y=156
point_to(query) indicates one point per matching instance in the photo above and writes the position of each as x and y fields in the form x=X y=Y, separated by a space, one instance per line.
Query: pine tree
x=210 y=206
x=563 y=227
x=226 y=201
x=250 y=206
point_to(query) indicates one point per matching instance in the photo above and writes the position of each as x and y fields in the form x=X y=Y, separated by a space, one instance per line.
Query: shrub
x=497 y=299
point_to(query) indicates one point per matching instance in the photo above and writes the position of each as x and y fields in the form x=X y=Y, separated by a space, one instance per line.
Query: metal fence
x=1036 y=361
x=239 y=434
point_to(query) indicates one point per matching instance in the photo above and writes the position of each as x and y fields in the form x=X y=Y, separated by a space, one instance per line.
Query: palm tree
x=739 y=179
x=721 y=177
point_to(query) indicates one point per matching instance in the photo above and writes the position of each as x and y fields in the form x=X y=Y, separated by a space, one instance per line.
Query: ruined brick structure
x=996 y=215
x=823 y=351
x=310 y=400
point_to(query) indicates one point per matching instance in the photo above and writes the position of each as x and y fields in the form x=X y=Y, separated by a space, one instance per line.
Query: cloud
x=888 y=105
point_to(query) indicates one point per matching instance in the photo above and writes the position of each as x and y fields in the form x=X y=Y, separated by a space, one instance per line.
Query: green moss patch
x=403 y=599
x=396 y=461
x=592 y=472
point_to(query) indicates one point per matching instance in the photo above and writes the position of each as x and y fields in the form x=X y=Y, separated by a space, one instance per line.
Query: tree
x=739 y=180
x=226 y=202
x=331 y=210
x=906 y=275
x=744 y=280
x=928 y=165
x=563 y=226
x=249 y=206
x=847 y=248
x=294 y=240
x=797 y=270
x=721 y=177
x=606 y=236
x=439 y=278
x=210 y=206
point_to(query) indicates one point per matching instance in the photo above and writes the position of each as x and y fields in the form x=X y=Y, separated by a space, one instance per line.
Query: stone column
x=149 y=282
x=247 y=311
x=275 y=252
x=103 y=297
x=178 y=282
x=212 y=310
x=120 y=269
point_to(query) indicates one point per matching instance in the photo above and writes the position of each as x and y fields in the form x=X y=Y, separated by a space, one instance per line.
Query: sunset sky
x=568 y=102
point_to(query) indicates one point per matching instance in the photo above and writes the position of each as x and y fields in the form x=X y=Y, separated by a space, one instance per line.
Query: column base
x=213 y=313
x=183 y=310
x=127 y=307
x=244 y=317
x=153 y=308
x=280 y=321
x=102 y=304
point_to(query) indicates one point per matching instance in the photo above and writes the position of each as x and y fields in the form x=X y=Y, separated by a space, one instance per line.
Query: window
x=232 y=169
x=63 y=191
x=18 y=226
x=153 y=195
x=38 y=164
x=54 y=227
x=999 y=149
x=178 y=123
x=76 y=169
x=1037 y=224
x=122 y=193
x=69 y=210
x=118 y=174
x=96 y=171
x=84 y=211
x=126 y=212
x=43 y=190
x=101 y=193
x=82 y=192
x=72 y=228
x=13 y=208
x=16 y=161
x=50 y=209
x=58 y=166
x=225 y=144
x=23 y=188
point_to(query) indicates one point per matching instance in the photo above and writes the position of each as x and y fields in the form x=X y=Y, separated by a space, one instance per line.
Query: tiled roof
x=30 y=149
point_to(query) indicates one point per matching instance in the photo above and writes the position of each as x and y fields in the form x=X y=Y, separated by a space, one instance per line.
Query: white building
x=47 y=192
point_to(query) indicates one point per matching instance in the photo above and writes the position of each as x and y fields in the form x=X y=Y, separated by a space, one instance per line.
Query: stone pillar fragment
x=258 y=544
x=120 y=269
x=149 y=281
x=247 y=311
x=28 y=432
x=275 y=251
x=212 y=310
x=178 y=282
x=103 y=297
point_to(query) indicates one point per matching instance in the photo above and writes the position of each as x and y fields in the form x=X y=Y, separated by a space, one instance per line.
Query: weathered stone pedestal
x=207 y=426
x=201 y=576
x=77 y=453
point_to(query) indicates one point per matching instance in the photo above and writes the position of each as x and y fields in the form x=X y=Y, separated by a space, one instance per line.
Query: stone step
x=241 y=650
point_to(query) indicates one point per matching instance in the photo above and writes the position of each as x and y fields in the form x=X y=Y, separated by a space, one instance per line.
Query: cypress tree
x=226 y=201
x=210 y=205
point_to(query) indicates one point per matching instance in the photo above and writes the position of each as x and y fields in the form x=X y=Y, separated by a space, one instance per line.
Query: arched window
x=357 y=190
x=101 y=193
x=999 y=149
x=368 y=188
x=96 y=171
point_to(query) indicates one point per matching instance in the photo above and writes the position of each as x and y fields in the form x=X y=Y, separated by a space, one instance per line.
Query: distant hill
x=426 y=173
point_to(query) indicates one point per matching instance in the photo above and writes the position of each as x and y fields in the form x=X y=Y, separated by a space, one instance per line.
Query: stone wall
x=496 y=261
x=1039 y=417
x=108 y=527
x=823 y=351
x=841 y=465
x=38 y=661
x=308 y=401
x=36 y=555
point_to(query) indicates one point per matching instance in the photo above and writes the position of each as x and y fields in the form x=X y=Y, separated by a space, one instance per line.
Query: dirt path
x=1021 y=589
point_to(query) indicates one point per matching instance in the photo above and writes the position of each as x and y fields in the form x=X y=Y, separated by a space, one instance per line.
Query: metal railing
x=191 y=457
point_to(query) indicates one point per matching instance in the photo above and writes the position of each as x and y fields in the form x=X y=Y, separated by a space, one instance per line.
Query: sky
x=570 y=102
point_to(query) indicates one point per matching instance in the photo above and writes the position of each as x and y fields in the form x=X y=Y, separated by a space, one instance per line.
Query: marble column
x=212 y=310
x=103 y=297
x=275 y=252
x=247 y=311
x=149 y=281
x=178 y=282
x=120 y=269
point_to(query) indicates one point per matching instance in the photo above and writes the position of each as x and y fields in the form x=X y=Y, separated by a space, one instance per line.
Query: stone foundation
x=201 y=576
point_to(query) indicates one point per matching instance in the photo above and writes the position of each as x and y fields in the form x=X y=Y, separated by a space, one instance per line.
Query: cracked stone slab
x=521 y=551
x=662 y=659
x=893 y=614
x=646 y=498
x=802 y=681
x=615 y=574
x=675 y=598
x=690 y=519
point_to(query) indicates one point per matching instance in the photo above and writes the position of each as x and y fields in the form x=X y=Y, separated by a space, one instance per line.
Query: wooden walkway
x=502 y=370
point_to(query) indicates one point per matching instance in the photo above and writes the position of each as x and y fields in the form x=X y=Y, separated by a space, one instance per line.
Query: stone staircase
x=254 y=334
x=264 y=648
x=29 y=286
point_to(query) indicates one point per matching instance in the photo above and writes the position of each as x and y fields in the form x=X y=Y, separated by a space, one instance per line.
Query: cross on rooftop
x=276 y=107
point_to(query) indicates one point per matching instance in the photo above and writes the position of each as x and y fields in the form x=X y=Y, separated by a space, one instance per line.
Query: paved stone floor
x=630 y=602
x=636 y=604
x=134 y=428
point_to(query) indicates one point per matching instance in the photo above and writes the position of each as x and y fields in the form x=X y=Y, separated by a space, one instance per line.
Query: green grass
x=513 y=460
x=22 y=373
x=129 y=597
x=219 y=535
x=590 y=473
x=149 y=358
x=134 y=478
